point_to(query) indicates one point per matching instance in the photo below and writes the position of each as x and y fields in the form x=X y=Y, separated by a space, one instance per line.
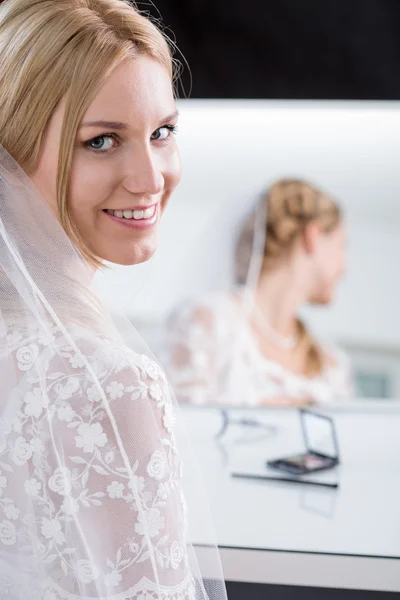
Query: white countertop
x=360 y=519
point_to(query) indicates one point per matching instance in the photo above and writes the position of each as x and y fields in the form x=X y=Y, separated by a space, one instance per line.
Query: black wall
x=325 y=49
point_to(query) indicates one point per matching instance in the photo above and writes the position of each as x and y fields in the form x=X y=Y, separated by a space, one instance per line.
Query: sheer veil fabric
x=98 y=486
x=205 y=335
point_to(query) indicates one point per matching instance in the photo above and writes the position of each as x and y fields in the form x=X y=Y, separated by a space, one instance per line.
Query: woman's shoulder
x=203 y=321
x=76 y=351
x=207 y=310
x=79 y=369
x=212 y=301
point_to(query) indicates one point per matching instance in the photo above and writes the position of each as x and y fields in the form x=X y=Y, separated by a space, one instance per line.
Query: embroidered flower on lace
x=151 y=368
x=169 y=418
x=86 y=571
x=70 y=506
x=150 y=521
x=8 y=533
x=12 y=512
x=66 y=413
x=115 y=490
x=35 y=402
x=51 y=529
x=115 y=389
x=66 y=391
x=76 y=361
x=44 y=339
x=112 y=579
x=27 y=356
x=93 y=393
x=60 y=481
x=155 y=392
x=22 y=451
x=176 y=555
x=137 y=483
x=90 y=436
x=32 y=487
x=157 y=465
x=134 y=547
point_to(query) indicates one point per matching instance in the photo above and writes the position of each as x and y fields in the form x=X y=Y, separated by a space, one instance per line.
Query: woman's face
x=125 y=164
x=329 y=265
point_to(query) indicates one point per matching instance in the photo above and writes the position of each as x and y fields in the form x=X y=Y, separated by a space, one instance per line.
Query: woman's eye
x=163 y=132
x=101 y=143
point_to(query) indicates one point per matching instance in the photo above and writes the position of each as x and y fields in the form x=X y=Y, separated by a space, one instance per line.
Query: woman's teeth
x=137 y=215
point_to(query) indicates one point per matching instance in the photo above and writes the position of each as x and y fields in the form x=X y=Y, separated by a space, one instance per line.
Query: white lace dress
x=80 y=522
x=212 y=359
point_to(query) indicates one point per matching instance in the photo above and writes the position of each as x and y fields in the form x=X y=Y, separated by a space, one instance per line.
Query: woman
x=250 y=347
x=91 y=502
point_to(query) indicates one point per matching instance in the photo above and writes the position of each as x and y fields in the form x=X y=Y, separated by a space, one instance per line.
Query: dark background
x=300 y=49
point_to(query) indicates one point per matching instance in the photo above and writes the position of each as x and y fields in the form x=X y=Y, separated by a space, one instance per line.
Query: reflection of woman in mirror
x=221 y=352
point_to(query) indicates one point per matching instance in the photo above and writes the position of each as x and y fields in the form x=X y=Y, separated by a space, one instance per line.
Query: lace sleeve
x=193 y=354
x=100 y=529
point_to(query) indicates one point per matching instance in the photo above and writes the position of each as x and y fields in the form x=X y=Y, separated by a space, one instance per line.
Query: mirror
x=232 y=152
x=319 y=434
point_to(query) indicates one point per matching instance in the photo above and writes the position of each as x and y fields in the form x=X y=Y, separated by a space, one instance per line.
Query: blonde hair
x=291 y=205
x=55 y=49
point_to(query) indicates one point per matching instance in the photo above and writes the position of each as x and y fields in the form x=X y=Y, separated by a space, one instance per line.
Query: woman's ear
x=311 y=238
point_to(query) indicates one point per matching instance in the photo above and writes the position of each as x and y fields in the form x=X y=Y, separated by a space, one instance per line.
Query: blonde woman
x=251 y=347
x=91 y=499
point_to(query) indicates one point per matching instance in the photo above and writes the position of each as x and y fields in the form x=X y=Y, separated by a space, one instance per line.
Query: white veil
x=93 y=501
x=203 y=339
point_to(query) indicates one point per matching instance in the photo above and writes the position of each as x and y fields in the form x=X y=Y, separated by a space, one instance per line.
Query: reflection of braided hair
x=291 y=205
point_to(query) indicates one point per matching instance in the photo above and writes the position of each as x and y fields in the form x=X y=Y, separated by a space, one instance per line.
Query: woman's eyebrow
x=106 y=124
x=119 y=125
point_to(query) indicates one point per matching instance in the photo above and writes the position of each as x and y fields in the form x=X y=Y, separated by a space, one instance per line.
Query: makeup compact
x=320 y=440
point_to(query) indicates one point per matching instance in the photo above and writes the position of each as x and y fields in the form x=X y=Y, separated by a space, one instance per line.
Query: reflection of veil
x=91 y=502
x=204 y=335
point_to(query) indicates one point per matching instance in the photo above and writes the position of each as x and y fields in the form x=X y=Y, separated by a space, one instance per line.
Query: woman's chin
x=323 y=300
x=130 y=256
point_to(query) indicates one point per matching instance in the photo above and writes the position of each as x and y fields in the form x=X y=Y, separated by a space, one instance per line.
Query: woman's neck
x=280 y=294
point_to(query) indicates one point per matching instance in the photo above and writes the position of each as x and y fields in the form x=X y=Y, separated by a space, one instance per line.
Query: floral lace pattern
x=207 y=365
x=87 y=453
